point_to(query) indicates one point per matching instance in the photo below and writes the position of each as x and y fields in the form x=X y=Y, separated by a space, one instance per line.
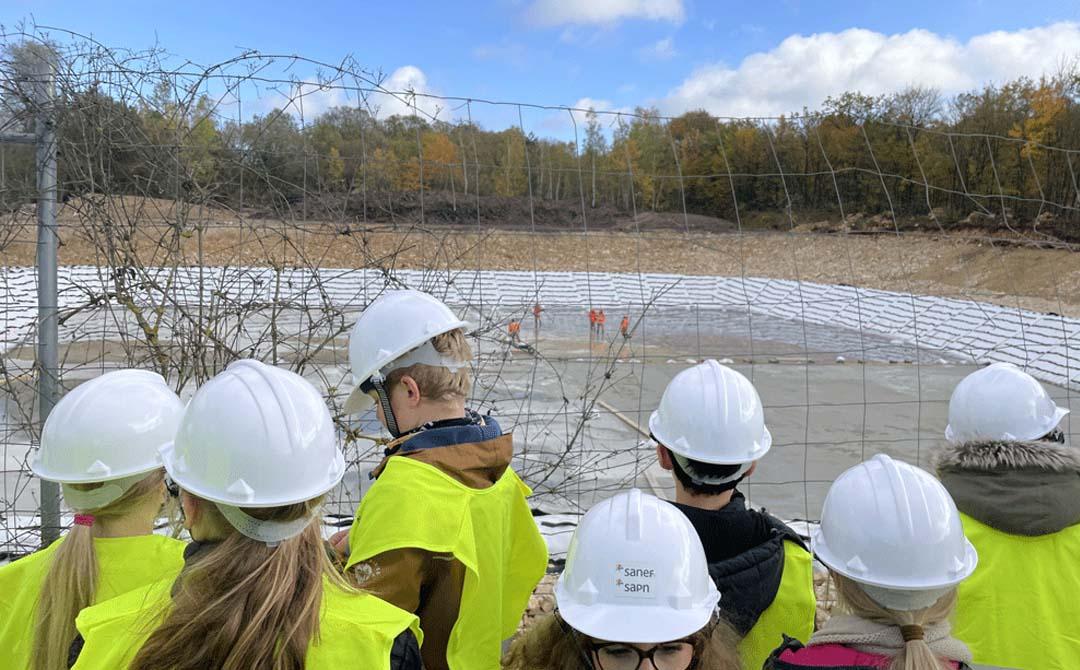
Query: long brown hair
x=550 y=644
x=915 y=654
x=70 y=584
x=244 y=605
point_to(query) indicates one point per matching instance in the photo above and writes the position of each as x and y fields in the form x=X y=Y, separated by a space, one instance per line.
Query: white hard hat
x=256 y=436
x=393 y=325
x=712 y=414
x=108 y=428
x=892 y=525
x=1001 y=402
x=636 y=572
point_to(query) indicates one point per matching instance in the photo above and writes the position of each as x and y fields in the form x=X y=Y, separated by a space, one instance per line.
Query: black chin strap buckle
x=376 y=384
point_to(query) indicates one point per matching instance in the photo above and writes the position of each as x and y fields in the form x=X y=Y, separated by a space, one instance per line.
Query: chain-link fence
x=855 y=262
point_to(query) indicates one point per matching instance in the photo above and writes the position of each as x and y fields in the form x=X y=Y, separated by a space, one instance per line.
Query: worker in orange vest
x=624 y=327
x=537 y=309
x=592 y=322
x=515 y=331
x=600 y=319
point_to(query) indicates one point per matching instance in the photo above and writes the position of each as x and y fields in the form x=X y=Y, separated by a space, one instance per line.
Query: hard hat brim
x=41 y=472
x=1060 y=413
x=407 y=346
x=335 y=475
x=822 y=552
x=760 y=447
x=358 y=402
x=648 y=624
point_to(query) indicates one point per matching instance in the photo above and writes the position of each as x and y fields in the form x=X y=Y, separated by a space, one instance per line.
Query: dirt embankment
x=1000 y=270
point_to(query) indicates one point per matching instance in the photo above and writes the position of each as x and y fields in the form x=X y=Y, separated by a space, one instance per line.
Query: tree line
x=1005 y=156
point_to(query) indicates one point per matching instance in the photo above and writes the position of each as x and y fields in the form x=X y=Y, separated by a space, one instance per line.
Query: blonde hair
x=550 y=644
x=916 y=654
x=244 y=605
x=437 y=383
x=70 y=585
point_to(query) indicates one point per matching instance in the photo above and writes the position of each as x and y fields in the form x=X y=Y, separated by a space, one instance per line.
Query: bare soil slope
x=1007 y=271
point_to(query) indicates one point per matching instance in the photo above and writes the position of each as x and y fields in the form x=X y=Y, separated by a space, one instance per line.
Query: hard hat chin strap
x=384 y=402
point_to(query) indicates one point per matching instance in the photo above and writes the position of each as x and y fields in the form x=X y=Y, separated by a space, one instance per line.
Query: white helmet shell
x=108 y=428
x=712 y=414
x=393 y=325
x=636 y=572
x=1001 y=402
x=256 y=436
x=892 y=525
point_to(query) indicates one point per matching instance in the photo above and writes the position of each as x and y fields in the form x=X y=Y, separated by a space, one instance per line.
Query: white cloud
x=661 y=50
x=402 y=82
x=603 y=12
x=804 y=70
x=562 y=123
x=314 y=99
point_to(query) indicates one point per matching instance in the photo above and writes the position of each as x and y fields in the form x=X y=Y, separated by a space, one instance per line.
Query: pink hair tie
x=84 y=519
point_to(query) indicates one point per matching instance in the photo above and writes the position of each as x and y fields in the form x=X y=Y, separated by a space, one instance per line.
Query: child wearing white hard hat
x=892 y=540
x=445 y=530
x=635 y=590
x=710 y=433
x=1016 y=481
x=254 y=455
x=100 y=442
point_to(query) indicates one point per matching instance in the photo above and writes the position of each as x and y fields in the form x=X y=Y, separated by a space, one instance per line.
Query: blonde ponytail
x=916 y=653
x=243 y=605
x=71 y=582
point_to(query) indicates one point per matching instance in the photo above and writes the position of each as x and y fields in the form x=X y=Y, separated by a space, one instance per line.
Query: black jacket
x=745 y=552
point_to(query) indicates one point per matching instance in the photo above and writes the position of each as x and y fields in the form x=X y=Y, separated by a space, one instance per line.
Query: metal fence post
x=43 y=72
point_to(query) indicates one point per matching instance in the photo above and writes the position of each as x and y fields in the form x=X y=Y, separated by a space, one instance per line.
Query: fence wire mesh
x=854 y=262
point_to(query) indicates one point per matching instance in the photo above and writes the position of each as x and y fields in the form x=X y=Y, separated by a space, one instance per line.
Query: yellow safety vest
x=490 y=531
x=791 y=612
x=124 y=563
x=356 y=629
x=1021 y=606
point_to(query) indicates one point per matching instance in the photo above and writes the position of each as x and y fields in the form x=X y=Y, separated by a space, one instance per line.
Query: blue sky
x=732 y=58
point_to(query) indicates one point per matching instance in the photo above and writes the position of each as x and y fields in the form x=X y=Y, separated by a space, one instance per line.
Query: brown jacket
x=430 y=584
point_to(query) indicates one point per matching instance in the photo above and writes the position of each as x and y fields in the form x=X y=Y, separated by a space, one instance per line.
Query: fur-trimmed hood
x=996 y=455
x=1022 y=488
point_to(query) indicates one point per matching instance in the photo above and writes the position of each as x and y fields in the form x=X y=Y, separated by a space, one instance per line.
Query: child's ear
x=412 y=389
x=664 y=456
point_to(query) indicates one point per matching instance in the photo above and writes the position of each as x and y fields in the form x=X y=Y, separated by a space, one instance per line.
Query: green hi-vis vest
x=791 y=612
x=356 y=630
x=1020 y=607
x=490 y=531
x=124 y=563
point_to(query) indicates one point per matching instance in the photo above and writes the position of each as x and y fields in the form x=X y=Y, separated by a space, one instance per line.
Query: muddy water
x=825 y=416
